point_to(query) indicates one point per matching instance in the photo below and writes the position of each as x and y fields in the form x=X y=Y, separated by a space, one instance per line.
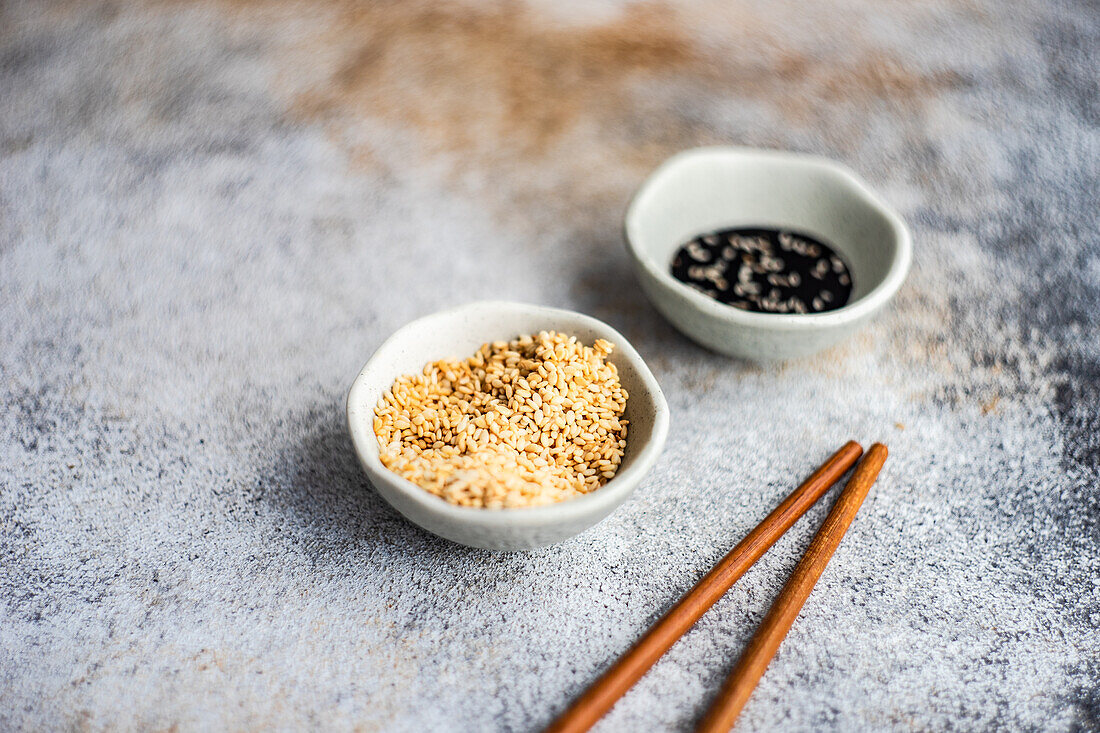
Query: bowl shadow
x=328 y=499
x=607 y=287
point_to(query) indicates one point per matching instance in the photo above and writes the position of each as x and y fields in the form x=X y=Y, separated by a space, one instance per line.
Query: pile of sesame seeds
x=520 y=423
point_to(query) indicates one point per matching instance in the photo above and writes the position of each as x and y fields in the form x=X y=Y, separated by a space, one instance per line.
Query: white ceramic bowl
x=705 y=189
x=458 y=333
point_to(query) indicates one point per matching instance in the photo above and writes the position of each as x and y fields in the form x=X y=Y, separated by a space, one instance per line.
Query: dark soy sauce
x=765 y=270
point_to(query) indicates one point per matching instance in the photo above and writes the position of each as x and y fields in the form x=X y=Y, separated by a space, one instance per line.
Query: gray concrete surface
x=211 y=214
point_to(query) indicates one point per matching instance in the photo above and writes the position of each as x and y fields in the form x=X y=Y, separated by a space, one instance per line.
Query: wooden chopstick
x=604 y=692
x=758 y=654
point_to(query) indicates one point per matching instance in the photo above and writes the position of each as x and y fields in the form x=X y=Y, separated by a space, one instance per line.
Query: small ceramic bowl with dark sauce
x=706 y=204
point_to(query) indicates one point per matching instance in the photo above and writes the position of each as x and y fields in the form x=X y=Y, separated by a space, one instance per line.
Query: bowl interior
x=710 y=189
x=460 y=332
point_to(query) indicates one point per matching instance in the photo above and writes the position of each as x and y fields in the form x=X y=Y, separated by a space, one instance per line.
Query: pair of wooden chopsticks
x=602 y=695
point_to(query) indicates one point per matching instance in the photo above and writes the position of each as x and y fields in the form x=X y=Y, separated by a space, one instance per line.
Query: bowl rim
x=844 y=177
x=605 y=499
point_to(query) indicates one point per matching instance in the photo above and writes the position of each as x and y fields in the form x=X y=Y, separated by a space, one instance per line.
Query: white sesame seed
x=521 y=423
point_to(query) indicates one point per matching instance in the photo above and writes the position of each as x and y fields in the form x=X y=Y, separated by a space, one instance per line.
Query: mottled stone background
x=211 y=214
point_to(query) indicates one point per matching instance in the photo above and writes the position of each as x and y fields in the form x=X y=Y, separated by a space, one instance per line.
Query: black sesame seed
x=799 y=272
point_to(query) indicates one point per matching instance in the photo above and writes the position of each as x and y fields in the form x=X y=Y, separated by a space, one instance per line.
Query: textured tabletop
x=212 y=214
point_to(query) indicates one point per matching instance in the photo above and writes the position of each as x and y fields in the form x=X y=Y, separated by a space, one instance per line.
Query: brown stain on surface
x=470 y=76
x=520 y=103
x=463 y=73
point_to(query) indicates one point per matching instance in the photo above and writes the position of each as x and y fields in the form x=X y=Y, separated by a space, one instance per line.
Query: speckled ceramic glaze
x=706 y=189
x=458 y=333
